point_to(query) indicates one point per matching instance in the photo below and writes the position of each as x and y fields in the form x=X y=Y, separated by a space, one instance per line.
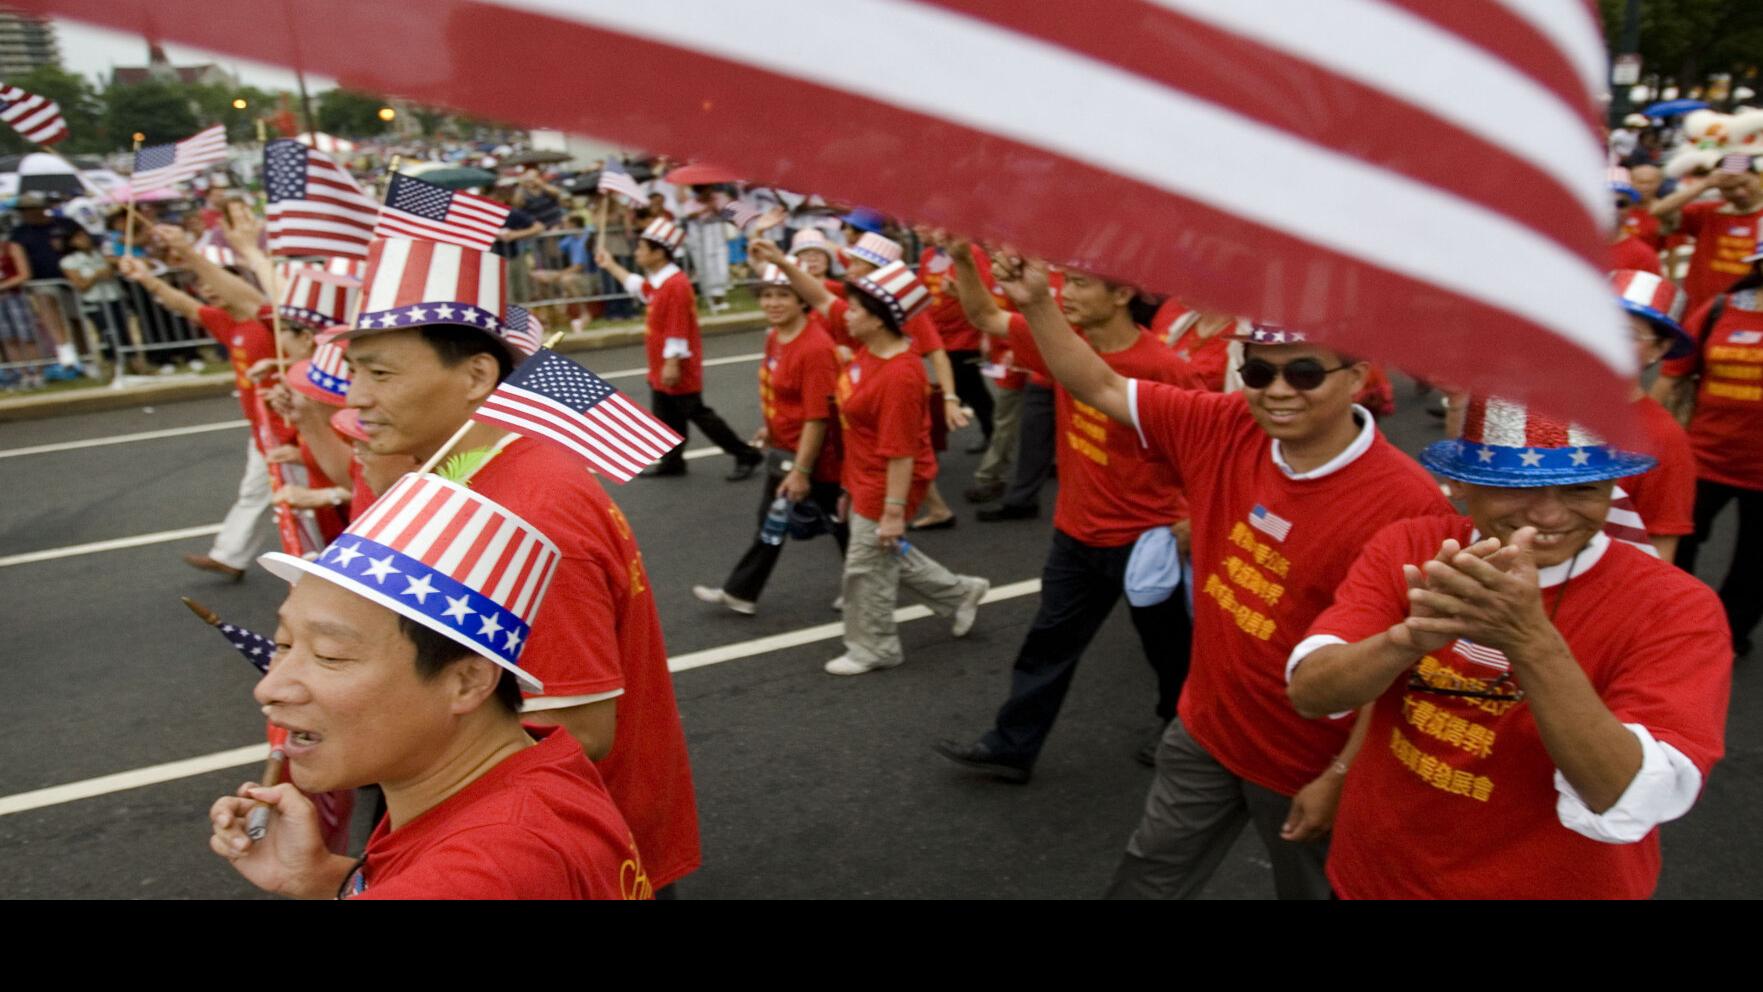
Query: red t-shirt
x=937 y=271
x=1208 y=357
x=797 y=382
x=1723 y=240
x=1633 y=253
x=1726 y=431
x=537 y=825
x=1268 y=551
x=361 y=494
x=673 y=314
x=884 y=411
x=1666 y=496
x=1640 y=222
x=999 y=355
x=919 y=330
x=598 y=632
x=1111 y=488
x=247 y=343
x=1454 y=797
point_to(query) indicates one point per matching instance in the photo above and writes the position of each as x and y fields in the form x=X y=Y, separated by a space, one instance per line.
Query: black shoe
x=745 y=467
x=981 y=759
x=660 y=469
x=1004 y=511
x=983 y=492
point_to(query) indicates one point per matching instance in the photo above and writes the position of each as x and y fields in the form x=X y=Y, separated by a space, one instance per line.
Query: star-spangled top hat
x=1260 y=333
x=325 y=376
x=1506 y=444
x=814 y=239
x=665 y=233
x=876 y=249
x=410 y=283
x=775 y=276
x=1659 y=301
x=446 y=557
x=896 y=287
x=316 y=298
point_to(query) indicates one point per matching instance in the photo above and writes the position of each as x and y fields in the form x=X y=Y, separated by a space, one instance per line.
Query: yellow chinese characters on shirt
x=1734 y=372
x=1259 y=589
x=1429 y=720
x=1087 y=434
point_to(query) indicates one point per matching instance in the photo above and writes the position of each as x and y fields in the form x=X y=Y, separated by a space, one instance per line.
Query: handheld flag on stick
x=552 y=398
x=256 y=648
x=315 y=207
x=415 y=209
x=164 y=166
x=37 y=119
x=616 y=180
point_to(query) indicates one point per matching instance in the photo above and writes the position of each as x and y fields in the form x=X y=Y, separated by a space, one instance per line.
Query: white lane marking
x=115 y=544
x=225 y=425
x=252 y=754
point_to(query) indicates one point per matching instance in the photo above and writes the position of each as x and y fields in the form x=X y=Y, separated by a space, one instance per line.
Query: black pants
x=1741 y=592
x=1079 y=587
x=747 y=580
x=1034 y=448
x=970 y=388
x=676 y=410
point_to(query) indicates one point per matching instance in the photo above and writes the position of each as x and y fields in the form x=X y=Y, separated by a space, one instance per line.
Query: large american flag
x=415 y=209
x=315 y=207
x=37 y=119
x=1334 y=167
x=164 y=166
x=614 y=179
x=553 y=398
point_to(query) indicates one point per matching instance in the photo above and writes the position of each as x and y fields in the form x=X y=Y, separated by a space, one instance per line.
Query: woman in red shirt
x=884 y=415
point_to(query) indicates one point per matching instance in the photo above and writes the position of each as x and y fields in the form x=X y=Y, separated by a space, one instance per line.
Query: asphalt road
x=808 y=785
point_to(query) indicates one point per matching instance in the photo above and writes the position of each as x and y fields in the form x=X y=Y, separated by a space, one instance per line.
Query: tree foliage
x=1687 y=40
x=161 y=111
x=351 y=114
x=80 y=103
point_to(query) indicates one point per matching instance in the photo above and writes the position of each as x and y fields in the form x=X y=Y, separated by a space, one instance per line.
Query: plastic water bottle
x=777 y=522
x=902 y=548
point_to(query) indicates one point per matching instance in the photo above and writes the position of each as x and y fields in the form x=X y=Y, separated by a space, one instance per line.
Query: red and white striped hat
x=446 y=557
x=1507 y=444
x=1659 y=301
x=664 y=233
x=898 y=288
x=316 y=298
x=814 y=239
x=775 y=276
x=876 y=250
x=325 y=376
x=410 y=283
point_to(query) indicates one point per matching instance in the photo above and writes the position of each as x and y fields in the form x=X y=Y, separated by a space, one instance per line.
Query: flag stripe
x=613 y=459
x=646 y=446
x=36 y=118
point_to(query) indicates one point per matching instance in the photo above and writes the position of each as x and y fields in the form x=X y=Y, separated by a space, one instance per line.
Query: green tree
x=162 y=112
x=1688 y=40
x=81 y=106
x=215 y=103
x=351 y=114
x=429 y=120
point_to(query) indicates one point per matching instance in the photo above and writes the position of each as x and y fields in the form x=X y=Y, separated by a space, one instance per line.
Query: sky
x=92 y=51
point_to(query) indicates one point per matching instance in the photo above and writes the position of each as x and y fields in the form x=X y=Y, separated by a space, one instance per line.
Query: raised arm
x=167 y=295
x=1686 y=191
x=977 y=304
x=241 y=299
x=1077 y=367
x=810 y=289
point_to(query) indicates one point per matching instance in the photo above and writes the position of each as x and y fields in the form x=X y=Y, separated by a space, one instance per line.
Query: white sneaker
x=720 y=598
x=968 y=611
x=839 y=604
x=845 y=665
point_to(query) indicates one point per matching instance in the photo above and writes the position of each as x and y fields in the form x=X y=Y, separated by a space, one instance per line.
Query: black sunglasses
x=1502 y=689
x=1301 y=374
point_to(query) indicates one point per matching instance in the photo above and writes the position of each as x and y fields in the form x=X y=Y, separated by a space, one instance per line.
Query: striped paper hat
x=814 y=239
x=1659 y=301
x=316 y=298
x=523 y=331
x=1509 y=445
x=875 y=249
x=325 y=376
x=410 y=283
x=219 y=254
x=775 y=276
x=1270 y=334
x=898 y=288
x=446 y=557
x=664 y=233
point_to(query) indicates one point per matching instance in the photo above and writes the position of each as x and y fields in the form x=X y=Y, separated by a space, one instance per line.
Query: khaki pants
x=1006 y=424
x=873 y=576
x=239 y=539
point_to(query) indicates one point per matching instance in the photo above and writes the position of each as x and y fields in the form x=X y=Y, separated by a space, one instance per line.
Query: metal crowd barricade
x=575 y=294
x=138 y=328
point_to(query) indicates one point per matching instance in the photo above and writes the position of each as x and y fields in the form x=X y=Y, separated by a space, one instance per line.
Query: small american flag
x=1739 y=162
x=164 y=166
x=37 y=119
x=415 y=209
x=315 y=207
x=553 y=398
x=1745 y=337
x=615 y=180
x=522 y=329
x=256 y=648
x=740 y=213
x=1484 y=656
x=1268 y=523
x=1623 y=522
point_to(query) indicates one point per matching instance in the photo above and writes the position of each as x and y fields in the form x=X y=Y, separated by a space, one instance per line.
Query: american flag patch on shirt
x=1483 y=656
x=1746 y=337
x=1269 y=523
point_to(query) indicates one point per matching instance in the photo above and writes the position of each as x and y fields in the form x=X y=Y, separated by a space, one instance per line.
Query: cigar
x=257 y=821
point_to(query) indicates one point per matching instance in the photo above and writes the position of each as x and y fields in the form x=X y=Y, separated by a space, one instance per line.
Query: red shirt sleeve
x=1023 y=347
x=923 y=332
x=1373 y=597
x=1694 y=217
x=1676 y=679
x=1179 y=424
x=1678 y=368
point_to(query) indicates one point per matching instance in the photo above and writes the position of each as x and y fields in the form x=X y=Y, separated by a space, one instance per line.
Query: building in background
x=26 y=42
x=159 y=67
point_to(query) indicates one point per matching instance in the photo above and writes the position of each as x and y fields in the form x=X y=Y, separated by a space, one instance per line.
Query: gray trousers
x=1194 y=813
x=873 y=577
x=239 y=539
x=1006 y=426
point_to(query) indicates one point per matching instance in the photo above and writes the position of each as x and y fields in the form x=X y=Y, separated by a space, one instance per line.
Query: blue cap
x=865 y=219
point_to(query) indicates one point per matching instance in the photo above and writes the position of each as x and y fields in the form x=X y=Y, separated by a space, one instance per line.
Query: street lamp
x=139 y=137
x=387 y=113
x=240 y=103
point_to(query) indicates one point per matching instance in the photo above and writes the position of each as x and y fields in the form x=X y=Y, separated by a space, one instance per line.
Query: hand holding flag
x=552 y=398
x=616 y=180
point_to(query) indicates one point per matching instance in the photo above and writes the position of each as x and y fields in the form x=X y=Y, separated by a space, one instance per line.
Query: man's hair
x=875 y=307
x=454 y=343
x=435 y=651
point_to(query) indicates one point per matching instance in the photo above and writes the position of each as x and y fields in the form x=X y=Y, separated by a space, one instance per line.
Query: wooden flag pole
x=600 y=228
x=128 y=234
x=459 y=434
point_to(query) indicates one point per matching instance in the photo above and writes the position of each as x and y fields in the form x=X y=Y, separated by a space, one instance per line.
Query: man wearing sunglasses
x=1285 y=481
x=1542 y=697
